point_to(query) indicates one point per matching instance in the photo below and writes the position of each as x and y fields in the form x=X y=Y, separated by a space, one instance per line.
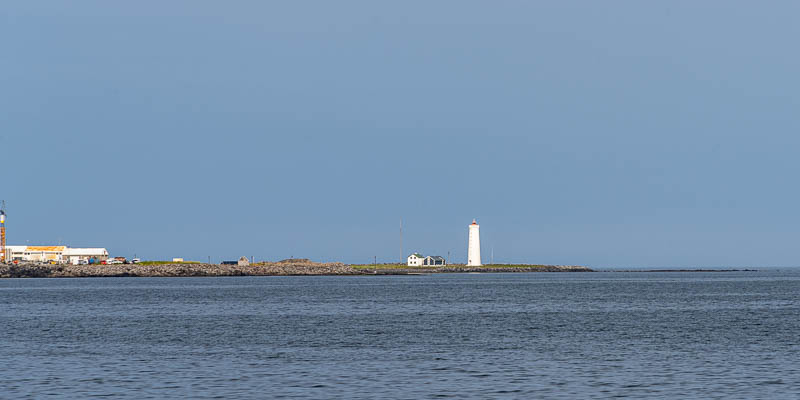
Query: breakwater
x=465 y=269
x=280 y=268
x=172 y=270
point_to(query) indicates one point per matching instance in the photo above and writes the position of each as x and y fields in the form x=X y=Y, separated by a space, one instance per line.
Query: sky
x=606 y=134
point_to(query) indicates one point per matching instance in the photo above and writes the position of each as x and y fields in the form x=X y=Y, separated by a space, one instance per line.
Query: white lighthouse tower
x=474 y=251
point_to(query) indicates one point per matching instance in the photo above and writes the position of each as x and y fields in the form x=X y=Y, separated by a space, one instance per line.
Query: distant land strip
x=292 y=267
x=686 y=270
x=399 y=269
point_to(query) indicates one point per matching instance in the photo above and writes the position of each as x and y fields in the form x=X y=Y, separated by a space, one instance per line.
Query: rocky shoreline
x=465 y=269
x=280 y=268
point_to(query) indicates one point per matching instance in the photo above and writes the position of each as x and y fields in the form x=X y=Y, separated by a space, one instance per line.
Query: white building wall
x=414 y=261
x=474 y=249
x=76 y=255
x=64 y=254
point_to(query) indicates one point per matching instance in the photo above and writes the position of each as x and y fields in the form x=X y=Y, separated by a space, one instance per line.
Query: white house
x=416 y=260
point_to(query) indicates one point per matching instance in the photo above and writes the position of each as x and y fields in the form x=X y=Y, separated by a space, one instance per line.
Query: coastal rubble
x=488 y=269
x=302 y=267
x=280 y=268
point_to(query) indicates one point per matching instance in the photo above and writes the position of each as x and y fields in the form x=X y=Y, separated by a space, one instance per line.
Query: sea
x=733 y=334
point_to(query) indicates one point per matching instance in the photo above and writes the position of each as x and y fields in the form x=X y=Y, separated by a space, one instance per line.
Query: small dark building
x=431 y=261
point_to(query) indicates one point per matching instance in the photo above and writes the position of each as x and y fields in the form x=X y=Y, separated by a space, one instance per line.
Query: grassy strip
x=381 y=266
x=168 y=262
x=452 y=266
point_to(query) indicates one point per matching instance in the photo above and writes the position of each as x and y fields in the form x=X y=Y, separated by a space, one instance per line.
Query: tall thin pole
x=401 y=240
x=3 y=250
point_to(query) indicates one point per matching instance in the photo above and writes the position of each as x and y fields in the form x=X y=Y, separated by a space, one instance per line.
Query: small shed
x=243 y=262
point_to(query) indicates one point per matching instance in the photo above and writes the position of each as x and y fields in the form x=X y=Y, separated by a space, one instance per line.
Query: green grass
x=380 y=266
x=168 y=262
x=455 y=266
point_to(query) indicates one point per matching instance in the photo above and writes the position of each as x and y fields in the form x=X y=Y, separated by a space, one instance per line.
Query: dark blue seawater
x=535 y=335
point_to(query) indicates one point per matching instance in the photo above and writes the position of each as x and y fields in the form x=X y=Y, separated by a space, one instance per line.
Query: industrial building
x=46 y=254
x=56 y=254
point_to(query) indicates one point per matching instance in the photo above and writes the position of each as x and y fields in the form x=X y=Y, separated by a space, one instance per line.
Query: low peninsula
x=292 y=267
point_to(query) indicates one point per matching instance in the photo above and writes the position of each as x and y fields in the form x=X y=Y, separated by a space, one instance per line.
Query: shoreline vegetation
x=291 y=267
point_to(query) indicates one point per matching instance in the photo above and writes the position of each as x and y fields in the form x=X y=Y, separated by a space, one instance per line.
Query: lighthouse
x=474 y=251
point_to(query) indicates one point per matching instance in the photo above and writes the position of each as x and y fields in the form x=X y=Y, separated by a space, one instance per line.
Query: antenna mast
x=3 y=256
x=401 y=240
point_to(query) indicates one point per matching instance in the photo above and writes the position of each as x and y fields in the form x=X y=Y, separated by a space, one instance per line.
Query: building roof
x=62 y=249
x=86 y=252
x=45 y=248
x=437 y=258
x=417 y=255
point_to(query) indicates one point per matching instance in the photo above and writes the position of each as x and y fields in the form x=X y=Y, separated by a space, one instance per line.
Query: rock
x=287 y=267
x=284 y=267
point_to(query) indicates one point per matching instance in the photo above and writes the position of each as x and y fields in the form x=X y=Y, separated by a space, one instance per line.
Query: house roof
x=437 y=258
x=417 y=255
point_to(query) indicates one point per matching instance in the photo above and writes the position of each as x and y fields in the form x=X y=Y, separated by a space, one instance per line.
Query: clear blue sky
x=615 y=133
